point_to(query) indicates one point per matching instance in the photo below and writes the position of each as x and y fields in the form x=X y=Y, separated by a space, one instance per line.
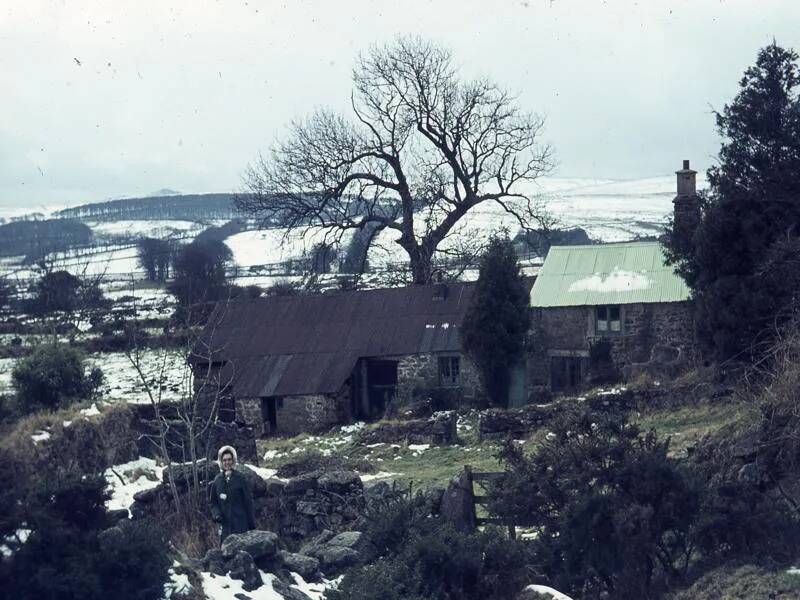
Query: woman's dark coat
x=231 y=504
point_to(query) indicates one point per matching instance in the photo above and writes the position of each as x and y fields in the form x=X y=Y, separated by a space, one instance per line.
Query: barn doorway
x=269 y=415
x=376 y=388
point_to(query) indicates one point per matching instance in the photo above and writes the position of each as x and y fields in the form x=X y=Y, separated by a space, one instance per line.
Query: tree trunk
x=420 y=264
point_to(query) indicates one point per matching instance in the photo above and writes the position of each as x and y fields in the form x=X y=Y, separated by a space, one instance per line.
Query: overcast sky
x=117 y=98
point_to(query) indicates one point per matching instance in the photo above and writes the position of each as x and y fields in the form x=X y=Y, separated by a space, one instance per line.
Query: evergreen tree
x=747 y=241
x=154 y=257
x=495 y=325
x=199 y=272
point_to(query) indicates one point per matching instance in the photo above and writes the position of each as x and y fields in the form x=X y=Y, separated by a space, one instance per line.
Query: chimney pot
x=687 y=185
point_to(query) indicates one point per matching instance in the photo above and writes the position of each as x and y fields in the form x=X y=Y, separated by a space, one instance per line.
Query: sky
x=118 y=98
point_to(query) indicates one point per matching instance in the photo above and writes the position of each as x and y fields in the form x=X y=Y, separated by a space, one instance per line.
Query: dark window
x=607 y=319
x=449 y=371
x=566 y=373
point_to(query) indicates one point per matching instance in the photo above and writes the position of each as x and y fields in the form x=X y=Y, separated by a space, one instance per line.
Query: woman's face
x=227 y=462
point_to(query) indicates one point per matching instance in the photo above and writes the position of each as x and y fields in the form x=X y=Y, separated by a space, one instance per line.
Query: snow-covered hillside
x=609 y=210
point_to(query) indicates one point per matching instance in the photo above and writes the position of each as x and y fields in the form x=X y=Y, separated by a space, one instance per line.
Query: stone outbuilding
x=291 y=364
x=607 y=312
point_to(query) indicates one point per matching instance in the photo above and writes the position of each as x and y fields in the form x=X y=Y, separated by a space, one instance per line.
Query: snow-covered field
x=165 y=372
x=158 y=229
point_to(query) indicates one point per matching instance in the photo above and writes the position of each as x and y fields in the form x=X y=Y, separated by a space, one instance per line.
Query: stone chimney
x=439 y=286
x=686 y=203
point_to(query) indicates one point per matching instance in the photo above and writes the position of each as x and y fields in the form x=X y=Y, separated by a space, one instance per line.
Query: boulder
x=242 y=567
x=258 y=486
x=302 y=483
x=346 y=539
x=117 y=515
x=340 y=482
x=274 y=487
x=287 y=592
x=311 y=508
x=305 y=566
x=149 y=495
x=319 y=541
x=258 y=544
x=214 y=562
x=335 y=559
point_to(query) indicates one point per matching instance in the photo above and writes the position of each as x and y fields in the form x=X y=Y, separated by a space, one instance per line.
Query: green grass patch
x=743 y=583
x=689 y=424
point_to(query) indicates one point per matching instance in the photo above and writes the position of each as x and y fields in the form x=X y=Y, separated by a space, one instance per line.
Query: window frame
x=605 y=323
x=448 y=376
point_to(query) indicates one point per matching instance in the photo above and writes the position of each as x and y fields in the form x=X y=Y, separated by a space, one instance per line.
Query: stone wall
x=439 y=429
x=298 y=414
x=248 y=413
x=654 y=338
x=422 y=370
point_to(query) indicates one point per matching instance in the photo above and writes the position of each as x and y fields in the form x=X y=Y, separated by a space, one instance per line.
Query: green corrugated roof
x=625 y=273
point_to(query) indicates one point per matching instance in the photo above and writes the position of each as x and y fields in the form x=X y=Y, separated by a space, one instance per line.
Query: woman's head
x=226 y=458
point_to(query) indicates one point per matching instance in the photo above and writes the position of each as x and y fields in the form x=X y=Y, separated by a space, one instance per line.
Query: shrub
x=412 y=555
x=69 y=553
x=436 y=562
x=84 y=446
x=53 y=376
x=613 y=513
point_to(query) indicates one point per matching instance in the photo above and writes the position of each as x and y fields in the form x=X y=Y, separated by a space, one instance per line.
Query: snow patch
x=273 y=454
x=355 y=427
x=224 y=587
x=91 y=411
x=543 y=589
x=178 y=584
x=137 y=475
x=618 y=280
x=378 y=475
x=40 y=436
x=262 y=472
x=19 y=537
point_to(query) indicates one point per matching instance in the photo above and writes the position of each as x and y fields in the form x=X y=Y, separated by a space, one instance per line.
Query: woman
x=229 y=497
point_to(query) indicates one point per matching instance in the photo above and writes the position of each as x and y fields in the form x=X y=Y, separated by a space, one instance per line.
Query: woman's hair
x=226 y=450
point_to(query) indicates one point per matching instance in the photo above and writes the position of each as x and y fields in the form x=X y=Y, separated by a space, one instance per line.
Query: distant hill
x=35 y=239
x=188 y=207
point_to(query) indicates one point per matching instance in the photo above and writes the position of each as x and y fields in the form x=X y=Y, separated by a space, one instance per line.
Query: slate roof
x=293 y=345
x=626 y=273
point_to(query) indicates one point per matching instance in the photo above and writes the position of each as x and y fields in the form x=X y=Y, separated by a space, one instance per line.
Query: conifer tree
x=742 y=260
x=496 y=324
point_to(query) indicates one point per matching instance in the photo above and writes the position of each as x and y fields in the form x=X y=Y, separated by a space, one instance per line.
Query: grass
x=687 y=425
x=743 y=583
x=423 y=468
x=435 y=466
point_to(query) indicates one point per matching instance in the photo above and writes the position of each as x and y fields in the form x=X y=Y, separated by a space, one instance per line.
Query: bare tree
x=423 y=148
x=183 y=429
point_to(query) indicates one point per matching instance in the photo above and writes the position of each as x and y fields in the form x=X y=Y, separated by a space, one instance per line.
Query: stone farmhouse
x=610 y=312
x=606 y=312
x=305 y=363
x=599 y=313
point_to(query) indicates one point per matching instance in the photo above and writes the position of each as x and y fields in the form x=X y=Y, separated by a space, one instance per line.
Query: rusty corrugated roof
x=292 y=345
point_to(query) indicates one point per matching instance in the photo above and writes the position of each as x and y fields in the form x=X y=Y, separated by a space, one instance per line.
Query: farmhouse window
x=607 y=319
x=449 y=371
